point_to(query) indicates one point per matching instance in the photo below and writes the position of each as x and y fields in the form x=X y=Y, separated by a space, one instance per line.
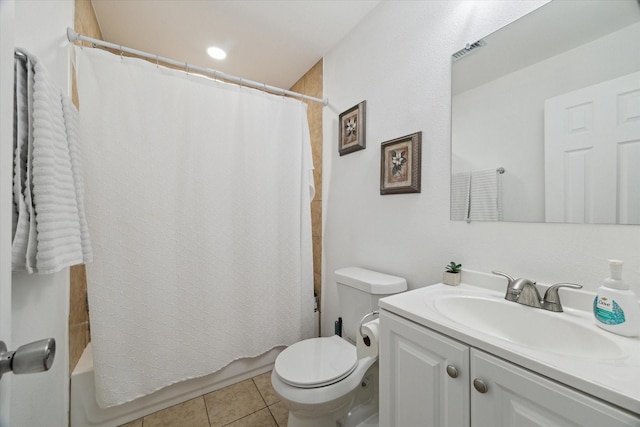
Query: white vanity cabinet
x=418 y=387
x=415 y=388
x=518 y=397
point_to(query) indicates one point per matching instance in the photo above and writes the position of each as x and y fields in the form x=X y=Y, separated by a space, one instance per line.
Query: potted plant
x=452 y=275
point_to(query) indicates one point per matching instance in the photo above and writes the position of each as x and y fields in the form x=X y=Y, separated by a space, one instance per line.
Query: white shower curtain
x=198 y=199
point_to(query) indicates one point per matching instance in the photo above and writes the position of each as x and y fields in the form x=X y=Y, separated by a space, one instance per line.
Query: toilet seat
x=316 y=362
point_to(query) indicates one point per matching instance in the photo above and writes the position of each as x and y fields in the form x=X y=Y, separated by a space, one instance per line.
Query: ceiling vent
x=470 y=47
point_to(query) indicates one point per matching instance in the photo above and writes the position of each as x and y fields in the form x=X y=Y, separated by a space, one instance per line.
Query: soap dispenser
x=615 y=306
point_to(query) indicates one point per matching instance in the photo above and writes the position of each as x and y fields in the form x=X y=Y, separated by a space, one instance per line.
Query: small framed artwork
x=400 y=165
x=351 y=135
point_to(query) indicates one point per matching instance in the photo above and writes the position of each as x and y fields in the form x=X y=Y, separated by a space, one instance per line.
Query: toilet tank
x=359 y=290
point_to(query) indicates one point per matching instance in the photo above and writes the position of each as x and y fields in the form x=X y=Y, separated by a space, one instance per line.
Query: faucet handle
x=499 y=273
x=511 y=295
x=551 y=298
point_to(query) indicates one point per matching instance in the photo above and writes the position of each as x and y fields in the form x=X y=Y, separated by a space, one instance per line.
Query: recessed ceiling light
x=216 y=52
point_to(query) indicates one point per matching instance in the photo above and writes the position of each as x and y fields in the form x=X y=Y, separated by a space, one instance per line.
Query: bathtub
x=85 y=412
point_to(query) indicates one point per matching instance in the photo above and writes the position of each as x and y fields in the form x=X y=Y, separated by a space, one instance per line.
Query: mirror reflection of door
x=592 y=142
x=499 y=90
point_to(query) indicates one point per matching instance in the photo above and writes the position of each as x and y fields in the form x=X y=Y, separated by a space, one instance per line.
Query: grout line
x=206 y=410
x=259 y=392
x=273 y=416
x=248 y=415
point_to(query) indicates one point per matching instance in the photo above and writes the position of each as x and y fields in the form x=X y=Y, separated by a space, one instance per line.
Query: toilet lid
x=316 y=362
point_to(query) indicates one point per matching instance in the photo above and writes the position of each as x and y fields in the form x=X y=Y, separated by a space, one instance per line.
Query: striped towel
x=460 y=183
x=50 y=228
x=23 y=144
x=485 y=196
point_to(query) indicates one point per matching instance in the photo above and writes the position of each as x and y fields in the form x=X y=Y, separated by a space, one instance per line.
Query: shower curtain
x=198 y=199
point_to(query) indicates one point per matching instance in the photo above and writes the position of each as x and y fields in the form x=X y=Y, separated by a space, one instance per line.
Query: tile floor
x=250 y=403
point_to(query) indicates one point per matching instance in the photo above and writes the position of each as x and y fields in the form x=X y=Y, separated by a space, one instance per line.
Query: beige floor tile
x=263 y=382
x=192 y=413
x=280 y=413
x=262 y=418
x=136 y=423
x=232 y=403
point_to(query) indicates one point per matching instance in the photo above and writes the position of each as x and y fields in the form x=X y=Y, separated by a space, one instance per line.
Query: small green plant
x=452 y=267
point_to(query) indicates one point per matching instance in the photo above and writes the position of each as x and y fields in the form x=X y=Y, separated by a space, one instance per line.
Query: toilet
x=322 y=381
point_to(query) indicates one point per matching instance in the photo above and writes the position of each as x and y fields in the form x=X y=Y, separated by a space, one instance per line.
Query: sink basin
x=526 y=326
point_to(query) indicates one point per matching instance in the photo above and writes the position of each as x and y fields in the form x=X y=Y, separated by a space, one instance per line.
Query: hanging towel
x=460 y=185
x=485 y=196
x=50 y=227
x=23 y=144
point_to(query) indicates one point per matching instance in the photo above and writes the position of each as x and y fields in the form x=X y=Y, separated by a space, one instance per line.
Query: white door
x=424 y=376
x=592 y=153
x=514 y=396
x=32 y=307
x=6 y=150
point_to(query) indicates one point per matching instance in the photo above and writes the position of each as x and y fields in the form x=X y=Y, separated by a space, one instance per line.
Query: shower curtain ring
x=157 y=62
x=121 y=53
x=186 y=66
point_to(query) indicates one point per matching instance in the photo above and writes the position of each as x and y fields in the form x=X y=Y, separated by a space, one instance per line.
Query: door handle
x=34 y=357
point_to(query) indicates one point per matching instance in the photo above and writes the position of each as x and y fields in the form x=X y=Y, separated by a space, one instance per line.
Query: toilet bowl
x=322 y=381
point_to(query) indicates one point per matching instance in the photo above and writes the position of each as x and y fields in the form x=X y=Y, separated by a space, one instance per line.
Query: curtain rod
x=72 y=36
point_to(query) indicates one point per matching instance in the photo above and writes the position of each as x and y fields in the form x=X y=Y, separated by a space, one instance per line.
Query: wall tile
x=316 y=218
x=85 y=23
x=78 y=303
x=317 y=252
x=78 y=340
x=317 y=178
x=311 y=84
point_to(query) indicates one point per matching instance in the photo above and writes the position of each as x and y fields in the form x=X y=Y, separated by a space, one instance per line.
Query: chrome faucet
x=524 y=291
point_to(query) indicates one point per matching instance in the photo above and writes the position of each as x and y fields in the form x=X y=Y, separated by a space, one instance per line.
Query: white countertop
x=615 y=380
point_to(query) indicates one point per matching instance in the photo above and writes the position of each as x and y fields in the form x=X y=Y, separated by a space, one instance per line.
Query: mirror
x=553 y=101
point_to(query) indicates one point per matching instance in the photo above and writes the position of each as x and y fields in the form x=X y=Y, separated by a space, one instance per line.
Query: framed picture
x=351 y=134
x=400 y=165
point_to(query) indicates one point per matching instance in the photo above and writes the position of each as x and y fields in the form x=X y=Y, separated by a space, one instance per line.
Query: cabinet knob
x=480 y=386
x=452 y=371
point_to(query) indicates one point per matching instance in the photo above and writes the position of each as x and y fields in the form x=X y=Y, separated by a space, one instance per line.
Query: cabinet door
x=415 y=388
x=517 y=397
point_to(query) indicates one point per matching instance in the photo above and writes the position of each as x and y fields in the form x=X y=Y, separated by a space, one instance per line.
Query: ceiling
x=269 y=41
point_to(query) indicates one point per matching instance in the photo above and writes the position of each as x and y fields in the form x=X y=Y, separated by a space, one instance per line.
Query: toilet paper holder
x=365 y=338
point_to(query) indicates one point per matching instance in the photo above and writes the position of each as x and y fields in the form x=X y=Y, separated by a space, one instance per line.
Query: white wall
x=399 y=60
x=41 y=302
